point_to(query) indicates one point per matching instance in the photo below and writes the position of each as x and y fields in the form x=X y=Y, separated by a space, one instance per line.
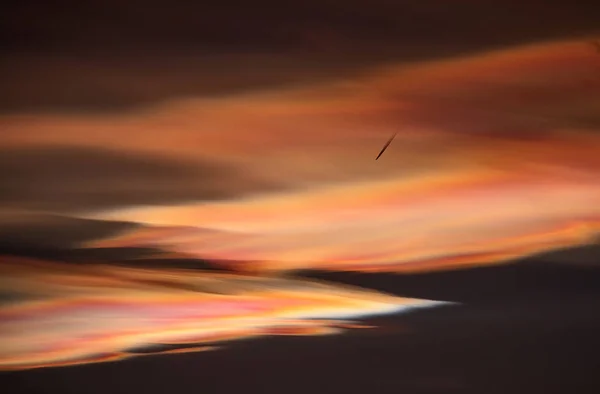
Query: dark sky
x=271 y=26
x=99 y=55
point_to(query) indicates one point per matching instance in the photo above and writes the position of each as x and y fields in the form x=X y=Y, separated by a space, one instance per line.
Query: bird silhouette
x=385 y=146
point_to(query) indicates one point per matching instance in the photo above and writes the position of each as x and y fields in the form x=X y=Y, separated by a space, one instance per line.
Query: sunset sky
x=175 y=176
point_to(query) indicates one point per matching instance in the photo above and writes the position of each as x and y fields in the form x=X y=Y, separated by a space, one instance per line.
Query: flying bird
x=386 y=145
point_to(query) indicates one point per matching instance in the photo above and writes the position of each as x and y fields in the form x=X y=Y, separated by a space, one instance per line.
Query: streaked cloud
x=495 y=158
x=52 y=314
x=390 y=226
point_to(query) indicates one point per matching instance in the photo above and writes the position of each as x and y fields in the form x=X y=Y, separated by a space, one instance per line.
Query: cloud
x=495 y=158
x=57 y=316
x=396 y=226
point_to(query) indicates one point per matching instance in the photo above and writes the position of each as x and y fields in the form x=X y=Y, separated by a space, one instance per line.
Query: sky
x=160 y=161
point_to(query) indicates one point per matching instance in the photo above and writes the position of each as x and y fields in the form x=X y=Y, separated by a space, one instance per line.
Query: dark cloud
x=71 y=178
x=588 y=255
x=61 y=238
x=57 y=237
x=53 y=231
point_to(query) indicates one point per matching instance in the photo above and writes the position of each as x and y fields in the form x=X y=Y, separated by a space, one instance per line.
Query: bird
x=385 y=146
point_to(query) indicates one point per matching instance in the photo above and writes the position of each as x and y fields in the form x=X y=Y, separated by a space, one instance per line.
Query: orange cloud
x=330 y=132
x=496 y=157
x=396 y=225
x=63 y=314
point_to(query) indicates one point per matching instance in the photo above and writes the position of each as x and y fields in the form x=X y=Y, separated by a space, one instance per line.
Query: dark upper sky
x=266 y=25
x=57 y=54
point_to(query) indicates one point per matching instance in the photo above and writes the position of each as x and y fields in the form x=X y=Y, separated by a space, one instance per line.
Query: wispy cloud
x=495 y=157
x=53 y=314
